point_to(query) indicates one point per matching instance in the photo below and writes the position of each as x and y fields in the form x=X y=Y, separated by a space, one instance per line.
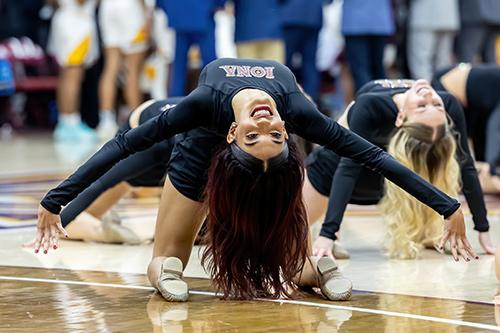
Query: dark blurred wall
x=21 y=18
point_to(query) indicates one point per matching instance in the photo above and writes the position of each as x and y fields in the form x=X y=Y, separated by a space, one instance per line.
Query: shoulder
x=371 y=109
x=373 y=103
x=452 y=106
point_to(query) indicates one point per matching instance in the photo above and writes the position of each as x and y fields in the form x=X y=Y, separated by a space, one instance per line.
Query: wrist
x=455 y=208
x=327 y=234
x=54 y=209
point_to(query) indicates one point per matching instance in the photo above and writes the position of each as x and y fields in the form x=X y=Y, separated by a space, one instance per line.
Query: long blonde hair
x=411 y=224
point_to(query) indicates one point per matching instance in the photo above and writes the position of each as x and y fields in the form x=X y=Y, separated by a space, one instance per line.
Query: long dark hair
x=257 y=231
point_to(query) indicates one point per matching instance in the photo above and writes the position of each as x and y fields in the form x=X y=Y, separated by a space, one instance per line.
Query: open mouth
x=261 y=111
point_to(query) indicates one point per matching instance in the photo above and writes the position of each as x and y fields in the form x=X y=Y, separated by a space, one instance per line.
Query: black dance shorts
x=190 y=161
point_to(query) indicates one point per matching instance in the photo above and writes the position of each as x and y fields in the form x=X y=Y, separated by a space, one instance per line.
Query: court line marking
x=280 y=301
x=449 y=298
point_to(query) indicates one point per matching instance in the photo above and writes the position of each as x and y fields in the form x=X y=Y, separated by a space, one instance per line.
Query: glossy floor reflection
x=51 y=302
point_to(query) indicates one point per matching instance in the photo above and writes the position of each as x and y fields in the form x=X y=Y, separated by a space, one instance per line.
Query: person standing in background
x=193 y=22
x=302 y=21
x=258 y=33
x=480 y=21
x=124 y=27
x=154 y=78
x=73 y=42
x=366 y=26
x=432 y=28
x=89 y=101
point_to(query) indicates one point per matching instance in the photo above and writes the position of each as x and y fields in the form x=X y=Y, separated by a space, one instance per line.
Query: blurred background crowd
x=78 y=67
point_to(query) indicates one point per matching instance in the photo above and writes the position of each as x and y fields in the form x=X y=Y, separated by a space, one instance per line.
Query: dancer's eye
x=252 y=136
x=276 y=135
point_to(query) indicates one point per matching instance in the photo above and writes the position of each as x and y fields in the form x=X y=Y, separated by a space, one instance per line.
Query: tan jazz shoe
x=170 y=283
x=340 y=252
x=332 y=283
x=115 y=232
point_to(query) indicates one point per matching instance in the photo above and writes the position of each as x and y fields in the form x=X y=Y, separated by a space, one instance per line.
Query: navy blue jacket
x=256 y=20
x=303 y=13
x=190 y=15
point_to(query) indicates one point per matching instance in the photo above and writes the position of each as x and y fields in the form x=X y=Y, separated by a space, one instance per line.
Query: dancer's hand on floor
x=48 y=230
x=485 y=242
x=323 y=247
x=454 y=232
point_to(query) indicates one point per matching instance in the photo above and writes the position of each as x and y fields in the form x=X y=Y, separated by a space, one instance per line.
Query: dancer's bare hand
x=48 y=230
x=322 y=247
x=454 y=232
x=485 y=242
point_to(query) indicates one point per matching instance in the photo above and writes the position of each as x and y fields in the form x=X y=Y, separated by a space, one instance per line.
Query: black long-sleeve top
x=482 y=112
x=373 y=117
x=209 y=105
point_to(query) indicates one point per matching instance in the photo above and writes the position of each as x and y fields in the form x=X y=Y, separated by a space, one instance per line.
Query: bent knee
x=135 y=116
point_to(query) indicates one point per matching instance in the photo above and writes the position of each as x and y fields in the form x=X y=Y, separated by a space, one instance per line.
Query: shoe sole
x=173 y=290
x=336 y=288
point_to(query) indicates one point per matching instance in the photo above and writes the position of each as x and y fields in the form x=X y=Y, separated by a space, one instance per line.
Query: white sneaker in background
x=107 y=126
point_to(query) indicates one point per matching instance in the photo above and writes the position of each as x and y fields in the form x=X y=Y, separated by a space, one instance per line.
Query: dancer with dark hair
x=257 y=230
x=476 y=88
x=423 y=130
x=88 y=216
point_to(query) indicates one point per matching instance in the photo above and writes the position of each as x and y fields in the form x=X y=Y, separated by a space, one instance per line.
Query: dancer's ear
x=231 y=134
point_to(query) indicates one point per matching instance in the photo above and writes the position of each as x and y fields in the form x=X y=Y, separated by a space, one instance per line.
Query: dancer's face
x=422 y=105
x=258 y=128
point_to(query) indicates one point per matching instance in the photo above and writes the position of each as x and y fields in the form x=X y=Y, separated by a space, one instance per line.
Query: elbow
x=378 y=161
x=135 y=116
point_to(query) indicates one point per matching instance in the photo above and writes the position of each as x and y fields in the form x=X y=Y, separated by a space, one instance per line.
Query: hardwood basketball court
x=91 y=287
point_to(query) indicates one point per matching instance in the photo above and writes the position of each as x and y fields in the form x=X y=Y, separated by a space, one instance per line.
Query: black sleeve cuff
x=51 y=207
x=452 y=210
x=327 y=234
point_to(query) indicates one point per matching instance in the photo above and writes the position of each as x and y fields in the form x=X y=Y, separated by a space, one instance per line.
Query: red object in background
x=42 y=83
x=36 y=76
x=33 y=70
